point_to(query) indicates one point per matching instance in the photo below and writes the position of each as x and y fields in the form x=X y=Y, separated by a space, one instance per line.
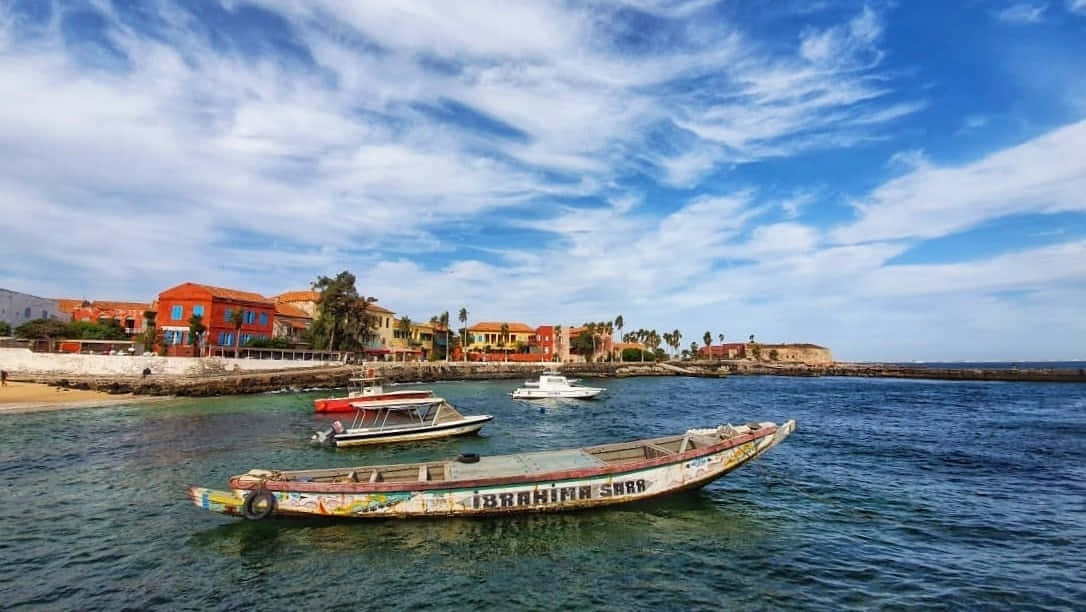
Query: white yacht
x=552 y=384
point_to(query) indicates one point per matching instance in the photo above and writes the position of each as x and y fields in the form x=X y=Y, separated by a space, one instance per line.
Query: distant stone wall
x=790 y=353
x=24 y=361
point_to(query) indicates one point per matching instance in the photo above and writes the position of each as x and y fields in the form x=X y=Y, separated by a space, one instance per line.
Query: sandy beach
x=34 y=397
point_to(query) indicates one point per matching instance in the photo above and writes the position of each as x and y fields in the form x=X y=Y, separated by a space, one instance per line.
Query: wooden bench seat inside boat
x=525 y=463
x=498 y=466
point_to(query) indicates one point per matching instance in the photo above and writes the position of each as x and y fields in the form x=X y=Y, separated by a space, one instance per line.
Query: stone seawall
x=337 y=376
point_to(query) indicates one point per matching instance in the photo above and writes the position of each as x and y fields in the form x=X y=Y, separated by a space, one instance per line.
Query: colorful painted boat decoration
x=401 y=420
x=470 y=485
x=366 y=388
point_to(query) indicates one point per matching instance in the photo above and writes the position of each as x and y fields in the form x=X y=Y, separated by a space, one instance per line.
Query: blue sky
x=894 y=180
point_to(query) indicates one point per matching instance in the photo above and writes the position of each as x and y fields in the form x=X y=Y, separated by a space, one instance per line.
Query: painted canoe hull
x=343 y=404
x=470 y=426
x=565 y=492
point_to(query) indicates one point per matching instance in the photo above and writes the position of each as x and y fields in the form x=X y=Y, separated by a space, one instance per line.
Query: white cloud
x=1076 y=6
x=1044 y=175
x=1023 y=13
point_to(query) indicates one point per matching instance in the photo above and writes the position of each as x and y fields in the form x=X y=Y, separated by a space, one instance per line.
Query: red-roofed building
x=291 y=322
x=732 y=350
x=130 y=315
x=215 y=305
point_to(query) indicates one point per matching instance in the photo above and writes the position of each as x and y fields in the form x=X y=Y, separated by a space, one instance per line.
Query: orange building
x=130 y=315
x=291 y=321
x=306 y=301
x=215 y=305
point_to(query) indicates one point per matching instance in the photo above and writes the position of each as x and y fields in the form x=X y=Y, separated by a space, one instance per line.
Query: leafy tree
x=42 y=329
x=693 y=349
x=196 y=329
x=148 y=338
x=5 y=329
x=583 y=344
x=403 y=325
x=503 y=339
x=708 y=338
x=633 y=354
x=342 y=320
x=752 y=338
x=272 y=343
x=659 y=355
x=773 y=355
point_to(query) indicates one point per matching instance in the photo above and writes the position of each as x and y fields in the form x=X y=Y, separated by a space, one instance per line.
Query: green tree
x=557 y=342
x=342 y=320
x=619 y=322
x=403 y=325
x=503 y=339
x=5 y=329
x=463 y=315
x=443 y=320
x=148 y=338
x=42 y=329
x=237 y=318
x=196 y=331
x=708 y=338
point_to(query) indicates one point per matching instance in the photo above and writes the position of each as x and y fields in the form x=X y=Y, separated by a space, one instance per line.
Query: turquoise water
x=890 y=494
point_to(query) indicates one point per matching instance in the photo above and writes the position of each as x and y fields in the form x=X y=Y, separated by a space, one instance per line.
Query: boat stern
x=223 y=502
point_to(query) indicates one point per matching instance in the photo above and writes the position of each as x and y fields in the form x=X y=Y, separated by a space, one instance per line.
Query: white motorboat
x=552 y=384
x=404 y=420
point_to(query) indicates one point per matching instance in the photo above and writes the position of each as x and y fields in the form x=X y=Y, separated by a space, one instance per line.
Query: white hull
x=406 y=435
x=573 y=393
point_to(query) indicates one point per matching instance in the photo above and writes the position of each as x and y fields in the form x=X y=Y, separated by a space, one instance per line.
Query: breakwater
x=338 y=376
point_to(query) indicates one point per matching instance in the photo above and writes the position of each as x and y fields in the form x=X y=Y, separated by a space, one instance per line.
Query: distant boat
x=470 y=485
x=401 y=420
x=365 y=389
x=552 y=384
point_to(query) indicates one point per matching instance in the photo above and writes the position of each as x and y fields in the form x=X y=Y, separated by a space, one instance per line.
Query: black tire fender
x=255 y=512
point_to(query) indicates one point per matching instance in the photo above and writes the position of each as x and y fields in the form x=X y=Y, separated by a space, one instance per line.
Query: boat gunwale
x=357 y=433
x=250 y=483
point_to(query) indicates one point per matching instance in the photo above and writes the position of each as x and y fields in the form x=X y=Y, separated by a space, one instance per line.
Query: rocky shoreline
x=337 y=376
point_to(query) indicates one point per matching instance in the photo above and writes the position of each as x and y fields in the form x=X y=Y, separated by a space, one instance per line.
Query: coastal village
x=199 y=320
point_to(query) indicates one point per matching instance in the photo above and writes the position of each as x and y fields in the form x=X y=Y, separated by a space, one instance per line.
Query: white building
x=18 y=308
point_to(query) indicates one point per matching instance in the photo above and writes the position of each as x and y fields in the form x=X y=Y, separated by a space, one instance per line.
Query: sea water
x=891 y=493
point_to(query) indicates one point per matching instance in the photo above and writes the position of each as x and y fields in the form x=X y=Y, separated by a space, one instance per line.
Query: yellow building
x=489 y=334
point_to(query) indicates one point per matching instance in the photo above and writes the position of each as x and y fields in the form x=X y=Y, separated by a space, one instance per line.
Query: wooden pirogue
x=471 y=485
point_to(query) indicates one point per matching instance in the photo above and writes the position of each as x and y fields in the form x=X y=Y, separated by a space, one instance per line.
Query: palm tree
x=503 y=339
x=678 y=335
x=708 y=338
x=444 y=321
x=403 y=325
x=464 y=335
x=557 y=340
x=618 y=325
x=611 y=337
x=237 y=318
x=752 y=338
x=721 y=338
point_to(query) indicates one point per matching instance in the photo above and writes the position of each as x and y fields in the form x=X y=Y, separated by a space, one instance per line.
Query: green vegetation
x=197 y=329
x=5 y=329
x=342 y=321
x=270 y=343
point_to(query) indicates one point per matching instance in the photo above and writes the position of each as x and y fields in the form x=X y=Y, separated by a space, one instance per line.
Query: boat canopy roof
x=398 y=404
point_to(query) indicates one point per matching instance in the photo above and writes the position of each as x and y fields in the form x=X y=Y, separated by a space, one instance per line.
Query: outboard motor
x=328 y=435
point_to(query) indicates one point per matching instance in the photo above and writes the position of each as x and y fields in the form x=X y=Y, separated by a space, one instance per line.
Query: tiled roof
x=140 y=306
x=381 y=309
x=491 y=326
x=298 y=296
x=228 y=294
x=68 y=305
x=286 y=310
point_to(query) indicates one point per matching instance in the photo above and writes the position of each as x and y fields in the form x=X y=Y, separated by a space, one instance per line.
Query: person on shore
x=3 y=378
